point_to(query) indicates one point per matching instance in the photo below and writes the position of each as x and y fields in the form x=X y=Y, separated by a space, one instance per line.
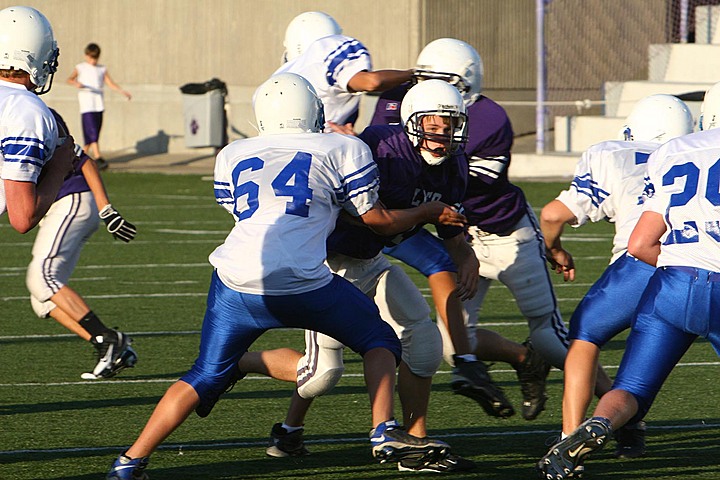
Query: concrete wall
x=152 y=47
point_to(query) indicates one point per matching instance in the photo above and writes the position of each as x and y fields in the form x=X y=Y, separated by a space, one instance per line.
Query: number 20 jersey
x=285 y=192
x=685 y=178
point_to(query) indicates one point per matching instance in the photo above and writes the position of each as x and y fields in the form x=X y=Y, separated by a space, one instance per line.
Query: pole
x=684 y=9
x=541 y=76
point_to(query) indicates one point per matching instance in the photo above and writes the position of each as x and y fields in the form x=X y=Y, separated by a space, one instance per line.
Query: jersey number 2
x=689 y=233
x=292 y=181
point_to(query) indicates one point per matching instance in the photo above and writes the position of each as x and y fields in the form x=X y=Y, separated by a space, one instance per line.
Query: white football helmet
x=27 y=43
x=454 y=61
x=658 y=118
x=287 y=103
x=305 y=29
x=434 y=98
x=710 y=108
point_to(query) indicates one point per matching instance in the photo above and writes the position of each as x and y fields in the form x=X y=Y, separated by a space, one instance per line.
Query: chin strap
x=430 y=159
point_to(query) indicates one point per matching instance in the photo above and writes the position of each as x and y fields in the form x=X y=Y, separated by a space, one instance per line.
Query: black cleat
x=114 y=354
x=284 y=444
x=472 y=380
x=532 y=373
x=390 y=443
x=630 y=440
x=449 y=463
x=564 y=458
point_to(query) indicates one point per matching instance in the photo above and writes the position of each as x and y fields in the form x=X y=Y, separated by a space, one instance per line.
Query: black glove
x=117 y=225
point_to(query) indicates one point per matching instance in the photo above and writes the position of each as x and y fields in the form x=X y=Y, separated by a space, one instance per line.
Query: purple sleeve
x=387 y=109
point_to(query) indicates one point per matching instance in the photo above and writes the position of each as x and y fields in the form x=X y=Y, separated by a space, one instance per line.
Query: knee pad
x=42 y=309
x=38 y=283
x=321 y=368
x=422 y=349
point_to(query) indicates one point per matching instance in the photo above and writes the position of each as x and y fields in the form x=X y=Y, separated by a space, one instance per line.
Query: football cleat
x=390 y=443
x=564 y=458
x=206 y=405
x=126 y=468
x=284 y=444
x=532 y=374
x=630 y=440
x=472 y=380
x=449 y=463
x=114 y=352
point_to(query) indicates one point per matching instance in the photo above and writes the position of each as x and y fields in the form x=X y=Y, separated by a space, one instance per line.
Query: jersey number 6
x=292 y=181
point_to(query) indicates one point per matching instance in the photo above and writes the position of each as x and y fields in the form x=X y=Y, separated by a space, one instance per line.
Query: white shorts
x=61 y=235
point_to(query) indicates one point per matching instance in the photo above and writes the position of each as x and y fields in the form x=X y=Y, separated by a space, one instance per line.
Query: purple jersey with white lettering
x=406 y=180
x=491 y=202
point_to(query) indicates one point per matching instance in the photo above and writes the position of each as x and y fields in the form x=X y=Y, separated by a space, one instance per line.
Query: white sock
x=290 y=429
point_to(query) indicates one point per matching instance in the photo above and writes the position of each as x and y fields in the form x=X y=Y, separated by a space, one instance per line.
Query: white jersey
x=28 y=136
x=285 y=192
x=608 y=185
x=90 y=96
x=685 y=176
x=328 y=64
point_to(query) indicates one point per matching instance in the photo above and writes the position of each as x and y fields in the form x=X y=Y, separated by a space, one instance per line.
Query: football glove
x=117 y=225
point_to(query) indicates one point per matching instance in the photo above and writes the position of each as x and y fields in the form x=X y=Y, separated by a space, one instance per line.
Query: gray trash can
x=204 y=114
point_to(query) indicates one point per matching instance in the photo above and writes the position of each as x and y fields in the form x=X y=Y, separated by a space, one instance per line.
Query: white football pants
x=401 y=305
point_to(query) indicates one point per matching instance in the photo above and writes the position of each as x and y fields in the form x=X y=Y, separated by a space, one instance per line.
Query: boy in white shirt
x=90 y=77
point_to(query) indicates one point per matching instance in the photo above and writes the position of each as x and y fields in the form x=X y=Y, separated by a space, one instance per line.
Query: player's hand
x=562 y=262
x=117 y=225
x=346 y=129
x=440 y=213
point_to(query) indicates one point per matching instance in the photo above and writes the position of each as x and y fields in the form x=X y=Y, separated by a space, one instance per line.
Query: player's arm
x=378 y=80
x=644 y=243
x=388 y=223
x=27 y=202
x=467 y=263
x=110 y=83
x=553 y=218
x=72 y=80
x=115 y=224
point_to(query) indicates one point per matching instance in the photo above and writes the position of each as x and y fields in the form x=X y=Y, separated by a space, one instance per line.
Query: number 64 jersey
x=685 y=176
x=285 y=192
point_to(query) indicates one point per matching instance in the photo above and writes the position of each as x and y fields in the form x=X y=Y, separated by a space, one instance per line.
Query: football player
x=608 y=185
x=74 y=216
x=505 y=237
x=285 y=190
x=678 y=233
x=338 y=66
x=29 y=136
x=418 y=162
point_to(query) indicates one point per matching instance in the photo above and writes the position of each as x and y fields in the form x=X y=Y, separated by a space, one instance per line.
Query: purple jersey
x=491 y=202
x=75 y=182
x=405 y=181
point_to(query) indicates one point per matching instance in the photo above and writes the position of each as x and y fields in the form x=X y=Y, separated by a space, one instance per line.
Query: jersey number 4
x=691 y=173
x=292 y=181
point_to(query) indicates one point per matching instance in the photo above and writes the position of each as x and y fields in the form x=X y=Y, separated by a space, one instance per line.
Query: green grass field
x=53 y=425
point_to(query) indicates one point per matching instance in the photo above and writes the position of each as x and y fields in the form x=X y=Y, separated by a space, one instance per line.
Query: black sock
x=92 y=324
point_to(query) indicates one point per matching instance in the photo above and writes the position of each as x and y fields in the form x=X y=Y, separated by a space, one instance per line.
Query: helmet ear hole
x=287 y=103
x=28 y=44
